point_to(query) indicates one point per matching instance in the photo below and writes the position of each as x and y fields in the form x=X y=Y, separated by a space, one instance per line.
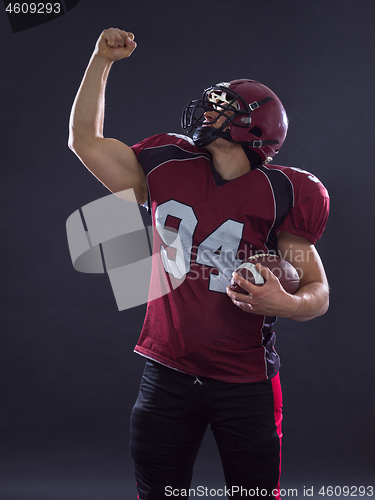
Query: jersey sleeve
x=153 y=149
x=149 y=146
x=146 y=143
x=161 y=148
x=309 y=214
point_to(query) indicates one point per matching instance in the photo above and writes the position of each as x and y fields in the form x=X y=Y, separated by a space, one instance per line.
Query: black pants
x=170 y=418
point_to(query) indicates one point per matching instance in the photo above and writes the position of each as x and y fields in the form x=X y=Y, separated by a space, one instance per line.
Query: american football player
x=210 y=355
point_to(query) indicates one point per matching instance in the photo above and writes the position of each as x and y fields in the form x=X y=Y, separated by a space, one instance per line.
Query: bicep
x=114 y=164
x=303 y=255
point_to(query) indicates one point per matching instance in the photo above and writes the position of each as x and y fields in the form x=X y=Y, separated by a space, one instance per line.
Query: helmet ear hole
x=256 y=131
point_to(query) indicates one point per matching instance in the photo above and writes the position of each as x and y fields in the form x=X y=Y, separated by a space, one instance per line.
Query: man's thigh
x=165 y=434
x=247 y=439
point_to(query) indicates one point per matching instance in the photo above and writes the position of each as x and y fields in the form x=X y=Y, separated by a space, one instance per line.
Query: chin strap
x=205 y=135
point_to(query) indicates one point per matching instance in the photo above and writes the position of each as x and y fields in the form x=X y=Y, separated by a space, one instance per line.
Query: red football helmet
x=258 y=119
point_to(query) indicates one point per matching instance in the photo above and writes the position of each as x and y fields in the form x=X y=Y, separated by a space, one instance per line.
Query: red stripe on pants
x=278 y=403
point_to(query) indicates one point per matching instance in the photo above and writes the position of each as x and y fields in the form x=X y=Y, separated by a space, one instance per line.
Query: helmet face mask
x=224 y=102
x=254 y=116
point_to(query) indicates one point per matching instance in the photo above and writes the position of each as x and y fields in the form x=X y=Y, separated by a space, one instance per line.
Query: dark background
x=67 y=371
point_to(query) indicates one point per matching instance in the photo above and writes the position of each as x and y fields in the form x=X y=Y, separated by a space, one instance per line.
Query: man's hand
x=115 y=44
x=269 y=299
x=310 y=300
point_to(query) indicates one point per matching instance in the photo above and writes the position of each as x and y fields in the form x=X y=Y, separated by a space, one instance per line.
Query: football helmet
x=255 y=116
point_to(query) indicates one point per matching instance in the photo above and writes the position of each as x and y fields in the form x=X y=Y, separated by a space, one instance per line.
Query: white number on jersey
x=181 y=241
x=218 y=250
x=309 y=175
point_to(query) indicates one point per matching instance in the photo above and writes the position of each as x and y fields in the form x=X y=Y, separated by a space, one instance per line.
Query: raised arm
x=111 y=161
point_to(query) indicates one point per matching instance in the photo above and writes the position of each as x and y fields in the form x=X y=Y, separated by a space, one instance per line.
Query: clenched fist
x=115 y=44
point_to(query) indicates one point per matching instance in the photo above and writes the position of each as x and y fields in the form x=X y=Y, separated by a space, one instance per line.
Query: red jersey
x=196 y=328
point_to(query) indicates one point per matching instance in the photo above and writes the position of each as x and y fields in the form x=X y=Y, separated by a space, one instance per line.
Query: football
x=283 y=270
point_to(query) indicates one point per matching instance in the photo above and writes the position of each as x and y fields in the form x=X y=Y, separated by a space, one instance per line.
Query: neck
x=229 y=159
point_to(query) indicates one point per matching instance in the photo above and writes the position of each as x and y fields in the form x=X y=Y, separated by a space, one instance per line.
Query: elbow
x=324 y=299
x=320 y=309
x=77 y=143
x=73 y=140
x=309 y=317
x=325 y=307
x=317 y=313
x=82 y=140
x=317 y=305
x=71 y=144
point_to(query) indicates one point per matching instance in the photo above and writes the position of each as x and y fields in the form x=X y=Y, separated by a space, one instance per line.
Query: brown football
x=282 y=269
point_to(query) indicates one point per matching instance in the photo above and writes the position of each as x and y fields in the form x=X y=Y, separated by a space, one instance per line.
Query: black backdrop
x=68 y=374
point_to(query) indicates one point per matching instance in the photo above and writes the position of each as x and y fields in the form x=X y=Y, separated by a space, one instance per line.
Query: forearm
x=310 y=301
x=312 y=298
x=87 y=116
